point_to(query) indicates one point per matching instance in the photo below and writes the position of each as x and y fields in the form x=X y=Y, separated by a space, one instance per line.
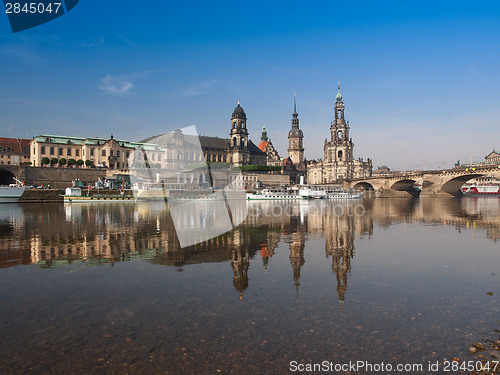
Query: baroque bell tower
x=238 y=142
x=341 y=154
x=295 y=138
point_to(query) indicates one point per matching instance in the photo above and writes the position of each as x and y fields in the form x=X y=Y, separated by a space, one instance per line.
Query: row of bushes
x=254 y=167
x=62 y=162
x=260 y=167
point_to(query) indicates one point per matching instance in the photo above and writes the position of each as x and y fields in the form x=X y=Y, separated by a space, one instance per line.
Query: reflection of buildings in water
x=115 y=232
x=297 y=260
x=340 y=223
x=339 y=244
x=240 y=262
x=296 y=230
x=267 y=247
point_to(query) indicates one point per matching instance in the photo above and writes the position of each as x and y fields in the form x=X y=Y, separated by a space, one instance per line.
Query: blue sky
x=420 y=80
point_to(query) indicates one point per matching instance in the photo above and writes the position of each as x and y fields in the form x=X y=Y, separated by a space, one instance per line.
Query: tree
x=88 y=163
x=53 y=161
x=79 y=162
x=45 y=161
x=71 y=162
x=62 y=162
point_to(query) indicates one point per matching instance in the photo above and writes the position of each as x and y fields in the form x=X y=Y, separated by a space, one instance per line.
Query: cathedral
x=239 y=151
x=338 y=163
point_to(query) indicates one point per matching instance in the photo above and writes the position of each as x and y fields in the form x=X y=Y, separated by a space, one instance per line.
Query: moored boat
x=11 y=194
x=74 y=195
x=327 y=192
x=274 y=194
x=482 y=190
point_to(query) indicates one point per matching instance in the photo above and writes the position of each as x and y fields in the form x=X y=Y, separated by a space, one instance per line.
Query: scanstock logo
x=24 y=15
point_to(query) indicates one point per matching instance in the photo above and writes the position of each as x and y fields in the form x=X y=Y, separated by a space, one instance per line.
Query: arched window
x=234 y=142
x=339 y=136
x=340 y=154
x=339 y=115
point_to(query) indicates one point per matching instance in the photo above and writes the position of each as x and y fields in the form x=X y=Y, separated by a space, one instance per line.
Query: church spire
x=295 y=115
x=339 y=95
x=294 y=103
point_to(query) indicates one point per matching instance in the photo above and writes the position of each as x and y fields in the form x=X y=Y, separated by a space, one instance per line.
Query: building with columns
x=338 y=163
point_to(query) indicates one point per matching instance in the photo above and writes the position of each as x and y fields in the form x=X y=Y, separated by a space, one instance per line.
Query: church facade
x=338 y=163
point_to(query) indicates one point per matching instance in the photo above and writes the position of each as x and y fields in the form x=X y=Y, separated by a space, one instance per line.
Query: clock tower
x=295 y=138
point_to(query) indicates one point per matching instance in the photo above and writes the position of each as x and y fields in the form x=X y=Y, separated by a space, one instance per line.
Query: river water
x=106 y=289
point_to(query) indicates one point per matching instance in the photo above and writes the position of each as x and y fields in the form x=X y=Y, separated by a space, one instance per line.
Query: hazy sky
x=420 y=80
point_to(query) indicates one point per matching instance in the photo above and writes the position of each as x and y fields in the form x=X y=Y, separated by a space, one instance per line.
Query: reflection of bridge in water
x=116 y=232
x=446 y=181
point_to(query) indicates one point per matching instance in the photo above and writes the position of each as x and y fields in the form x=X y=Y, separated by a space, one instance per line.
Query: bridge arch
x=403 y=185
x=453 y=186
x=363 y=186
x=6 y=177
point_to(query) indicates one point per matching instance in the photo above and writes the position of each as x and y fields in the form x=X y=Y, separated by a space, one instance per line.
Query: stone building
x=14 y=151
x=243 y=151
x=296 y=139
x=108 y=153
x=237 y=150
x=295 y=164
x=338 y=163
x=493 y=157
x=265 y=145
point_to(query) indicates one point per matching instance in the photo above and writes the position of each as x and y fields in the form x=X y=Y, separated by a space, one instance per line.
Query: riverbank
x=488 y=354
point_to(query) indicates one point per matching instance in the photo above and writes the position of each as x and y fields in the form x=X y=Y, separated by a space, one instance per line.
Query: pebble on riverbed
x=479 y=346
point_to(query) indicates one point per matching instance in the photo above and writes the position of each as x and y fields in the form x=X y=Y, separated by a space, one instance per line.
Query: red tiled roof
x=14 y=144
x=262 y=145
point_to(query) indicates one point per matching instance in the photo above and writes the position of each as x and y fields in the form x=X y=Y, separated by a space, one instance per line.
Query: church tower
x=295 y=138
x=340 y=150
x=238 y=142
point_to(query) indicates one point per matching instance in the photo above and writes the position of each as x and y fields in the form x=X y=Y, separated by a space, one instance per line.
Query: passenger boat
x=11 y=194
x=305 y=192
x=327 y=192
x=74 y=195
x=482 y=190
x=274 y=194
x=179 y=192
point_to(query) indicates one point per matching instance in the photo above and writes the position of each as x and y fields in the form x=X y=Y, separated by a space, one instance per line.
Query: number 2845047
x=33 y=8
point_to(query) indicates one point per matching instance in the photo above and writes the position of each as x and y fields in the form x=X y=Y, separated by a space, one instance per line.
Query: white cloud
x=199 y=89
x=120 y=85
x=97 y=43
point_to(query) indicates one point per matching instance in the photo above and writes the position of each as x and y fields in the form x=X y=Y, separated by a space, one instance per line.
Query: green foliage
x=192 y=166
x=260 y=168
x=88 y=163
x=62 y=162
x=45 y=161
x=53 y=161
x=71 y=162
x=214 y=165
x=80 y=162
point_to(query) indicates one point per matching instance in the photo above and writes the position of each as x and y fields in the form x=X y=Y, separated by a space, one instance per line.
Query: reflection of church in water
x=108 y=235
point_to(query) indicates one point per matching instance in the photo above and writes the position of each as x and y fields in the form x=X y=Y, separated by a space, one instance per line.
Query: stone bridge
x=432 y=182
x=8 y=172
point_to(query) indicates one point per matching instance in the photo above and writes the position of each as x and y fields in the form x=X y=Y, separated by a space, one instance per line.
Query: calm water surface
x=105 y=288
